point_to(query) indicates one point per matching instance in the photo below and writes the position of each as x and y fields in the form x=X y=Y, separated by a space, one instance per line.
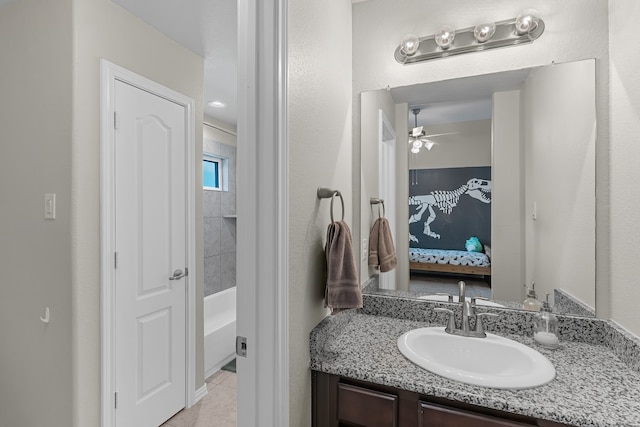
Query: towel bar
x=378 y=202
x=325 y=193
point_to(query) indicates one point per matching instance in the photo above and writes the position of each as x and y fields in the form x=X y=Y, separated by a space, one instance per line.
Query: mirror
x=508 y=158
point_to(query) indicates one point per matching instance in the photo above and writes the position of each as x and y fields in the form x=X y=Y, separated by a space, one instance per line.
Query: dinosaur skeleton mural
x=479 y=189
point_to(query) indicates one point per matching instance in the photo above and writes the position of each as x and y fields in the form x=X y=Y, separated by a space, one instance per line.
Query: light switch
x=534 y=211
x=50 y=206
x=365 y=249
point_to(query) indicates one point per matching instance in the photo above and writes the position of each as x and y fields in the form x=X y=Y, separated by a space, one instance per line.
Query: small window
x=210 y=174
x=214 y=172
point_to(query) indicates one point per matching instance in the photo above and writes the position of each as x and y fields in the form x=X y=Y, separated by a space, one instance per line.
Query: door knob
x=178 y=274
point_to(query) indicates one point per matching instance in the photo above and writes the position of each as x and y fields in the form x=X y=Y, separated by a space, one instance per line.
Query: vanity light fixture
x=523 y=29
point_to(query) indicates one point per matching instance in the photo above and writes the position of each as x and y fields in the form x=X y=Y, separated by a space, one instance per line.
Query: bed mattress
x=444 y=256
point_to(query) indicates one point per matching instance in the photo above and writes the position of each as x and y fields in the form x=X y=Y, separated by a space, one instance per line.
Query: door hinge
x=115 y=260
x=115 y=400
x=116 y=120
x=241 y=346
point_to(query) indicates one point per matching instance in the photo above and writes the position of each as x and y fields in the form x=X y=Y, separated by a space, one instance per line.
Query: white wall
x=507 y=200
x=402 y=193
x=35 y=254
x=468 y=145
x=558 y=105
x=218 y=131
x=320 y=135
x=625 y=152
x=105 y=30
x=566 y=38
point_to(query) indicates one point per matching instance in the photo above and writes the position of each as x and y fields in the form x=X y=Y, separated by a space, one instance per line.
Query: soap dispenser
x=532 y=303
x=545 y=327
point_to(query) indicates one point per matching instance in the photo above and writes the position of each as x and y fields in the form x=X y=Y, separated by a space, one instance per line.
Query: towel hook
x=325 y=193
x=341 y=203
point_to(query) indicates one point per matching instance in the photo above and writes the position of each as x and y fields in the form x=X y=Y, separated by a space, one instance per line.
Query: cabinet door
x=362 y=407
x=432 y=415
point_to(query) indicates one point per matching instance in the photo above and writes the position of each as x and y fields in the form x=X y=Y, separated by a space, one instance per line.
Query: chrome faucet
x=467 y=312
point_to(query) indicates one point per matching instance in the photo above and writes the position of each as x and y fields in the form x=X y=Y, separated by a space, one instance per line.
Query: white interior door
x=150 y=242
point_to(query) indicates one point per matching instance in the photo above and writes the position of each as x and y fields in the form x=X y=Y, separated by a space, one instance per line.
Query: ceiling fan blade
x=416 y=131
x=440 y=134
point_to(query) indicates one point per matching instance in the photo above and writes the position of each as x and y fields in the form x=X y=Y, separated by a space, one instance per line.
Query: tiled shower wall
x=219 y=212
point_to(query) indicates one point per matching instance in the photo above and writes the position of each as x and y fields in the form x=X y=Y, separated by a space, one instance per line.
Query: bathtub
x=219 y=330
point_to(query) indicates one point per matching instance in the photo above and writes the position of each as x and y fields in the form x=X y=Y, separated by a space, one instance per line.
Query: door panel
x=150 y=188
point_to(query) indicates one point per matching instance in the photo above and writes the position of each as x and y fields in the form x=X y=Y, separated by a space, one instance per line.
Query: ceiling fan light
x=428 y=144
x=415 y=150
x=417 y=144
x=416 y=131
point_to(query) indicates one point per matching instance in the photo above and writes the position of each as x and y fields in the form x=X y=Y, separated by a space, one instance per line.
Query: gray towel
x=343 y=288
x=381 y=251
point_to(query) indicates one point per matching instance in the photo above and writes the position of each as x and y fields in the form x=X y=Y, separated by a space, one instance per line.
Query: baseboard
x=200 y=394
x=217 y=366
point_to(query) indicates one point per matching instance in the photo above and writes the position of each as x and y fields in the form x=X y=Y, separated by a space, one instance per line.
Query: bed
x=451 y=261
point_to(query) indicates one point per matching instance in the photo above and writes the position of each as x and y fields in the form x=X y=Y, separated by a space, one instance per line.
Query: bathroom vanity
x=341 y=400
x=360 y=378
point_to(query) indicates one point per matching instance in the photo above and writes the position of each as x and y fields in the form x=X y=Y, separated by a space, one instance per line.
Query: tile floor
x=216 y=409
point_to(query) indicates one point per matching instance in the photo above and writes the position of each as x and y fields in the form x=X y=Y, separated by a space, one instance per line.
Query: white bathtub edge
x=215 y=368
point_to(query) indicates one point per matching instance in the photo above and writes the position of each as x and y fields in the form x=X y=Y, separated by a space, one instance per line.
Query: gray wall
x=507 y=250
x=320 y=149
x=559 y=122
x=625 y=152
x=219 y=211
x=35 y=254
x=103 y=29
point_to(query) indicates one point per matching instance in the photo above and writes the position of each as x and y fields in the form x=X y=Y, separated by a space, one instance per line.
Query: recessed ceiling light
x=217 y=104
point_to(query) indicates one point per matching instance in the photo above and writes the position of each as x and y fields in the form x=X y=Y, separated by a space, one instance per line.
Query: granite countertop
x=593 y=387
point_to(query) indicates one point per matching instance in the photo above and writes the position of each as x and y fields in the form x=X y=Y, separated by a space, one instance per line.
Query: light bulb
x=415 y=150
x=417 y=144
x=484 y=31
x=409 y=44
x=527 y=21
x=445 y=36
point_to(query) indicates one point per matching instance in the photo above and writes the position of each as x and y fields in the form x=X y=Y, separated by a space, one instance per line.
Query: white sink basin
x=493 y=361
x=445 y=298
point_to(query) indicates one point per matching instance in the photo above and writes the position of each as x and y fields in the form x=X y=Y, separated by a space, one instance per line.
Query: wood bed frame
x=450 y=268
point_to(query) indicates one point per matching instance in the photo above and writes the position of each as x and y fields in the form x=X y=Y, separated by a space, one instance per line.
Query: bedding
x=451 y=261
x=441 y=256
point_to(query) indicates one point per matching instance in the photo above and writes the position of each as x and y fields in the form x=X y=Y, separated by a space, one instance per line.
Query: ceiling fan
x=418 y=137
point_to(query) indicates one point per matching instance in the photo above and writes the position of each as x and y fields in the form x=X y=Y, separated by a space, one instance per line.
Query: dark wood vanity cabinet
x=343 y=402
